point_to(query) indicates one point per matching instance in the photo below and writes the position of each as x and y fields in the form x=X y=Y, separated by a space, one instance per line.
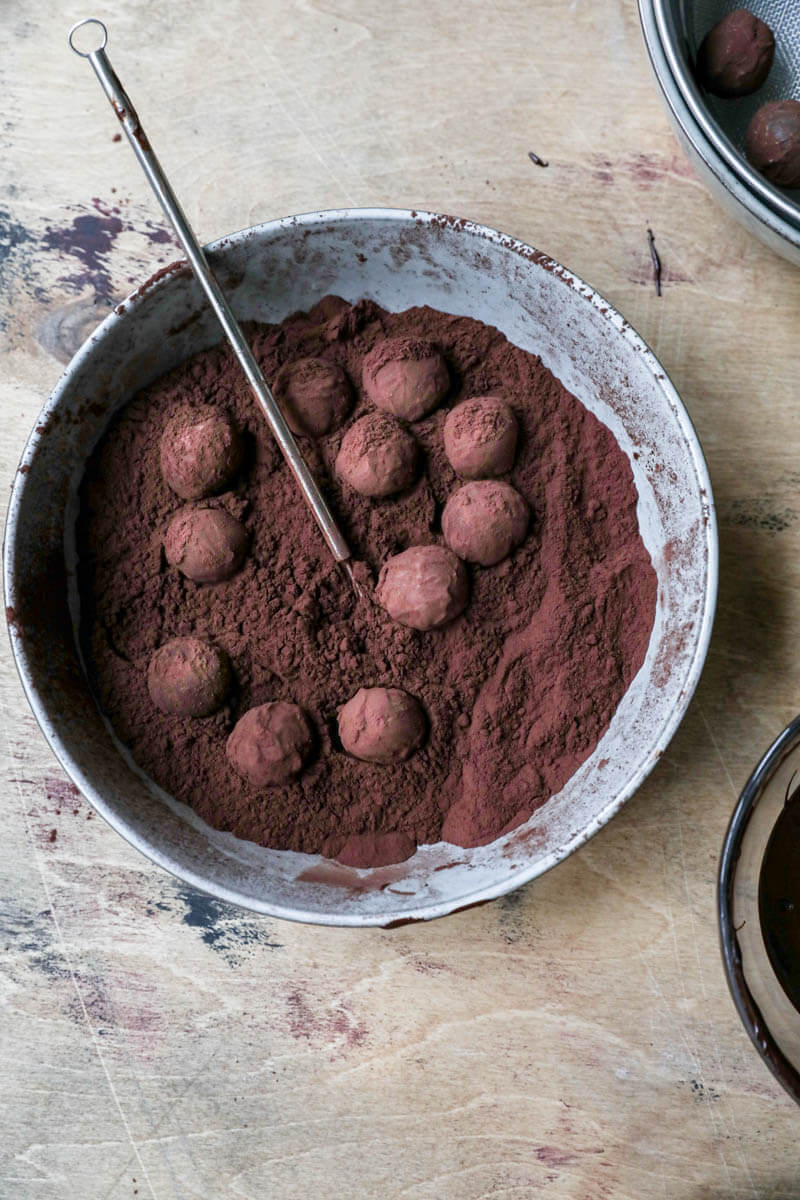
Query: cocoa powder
x=517 y=690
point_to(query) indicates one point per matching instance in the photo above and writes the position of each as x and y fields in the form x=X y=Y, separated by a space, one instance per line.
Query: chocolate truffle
x=480 y=437
x=382 y=725
x=314 y=395
x=405 y=376
x=483 y=521
x=735 y=56
x=201 y=451
x=270 y=744
x=205 y=544
x=773 y=142
x=424 y=587
x=188 y=677
x=377 y=456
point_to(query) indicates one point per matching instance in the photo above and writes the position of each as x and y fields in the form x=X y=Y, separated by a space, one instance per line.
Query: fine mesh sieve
x=783 y=82
x=682 y=25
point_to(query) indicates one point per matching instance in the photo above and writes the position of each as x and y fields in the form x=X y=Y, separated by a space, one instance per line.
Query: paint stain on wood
x=227 y=930
x=82 y=248
x=764 y=513
x=88 y=239
x=336 y=1026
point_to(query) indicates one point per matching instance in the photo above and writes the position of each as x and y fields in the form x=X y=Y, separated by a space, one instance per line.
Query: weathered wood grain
x=577 y=1037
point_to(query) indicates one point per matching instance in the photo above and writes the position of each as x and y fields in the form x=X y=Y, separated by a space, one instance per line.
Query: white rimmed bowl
x=398 y=258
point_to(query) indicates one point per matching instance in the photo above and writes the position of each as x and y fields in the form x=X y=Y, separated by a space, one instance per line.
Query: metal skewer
x=130 y=122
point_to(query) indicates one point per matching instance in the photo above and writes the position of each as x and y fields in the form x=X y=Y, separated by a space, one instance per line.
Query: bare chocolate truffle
x=201 y=451
x=424 y=587
x=377 y=456
x=382 y=725
x=270 y=743
x=773 y=142
x=314 y=395
x=483 y=521
x=188 y=677
x=735 y=56
x=480 y=437
x=405 y=376
x=205 y=544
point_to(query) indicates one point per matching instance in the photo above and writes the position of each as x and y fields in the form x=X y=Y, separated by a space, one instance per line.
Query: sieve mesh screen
x=696 y=17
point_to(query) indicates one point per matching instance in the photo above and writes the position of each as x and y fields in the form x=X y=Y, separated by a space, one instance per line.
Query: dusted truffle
x=480 y=437
x=377 y=456
x=188 y=677
x=314 y=395
x=382 y=725
x=205 y=544
x=405 y=376
x=483 y=521
x=270 y=744
x=773 y=142
x=424 y=587
x=735 y=56
x=200 y=452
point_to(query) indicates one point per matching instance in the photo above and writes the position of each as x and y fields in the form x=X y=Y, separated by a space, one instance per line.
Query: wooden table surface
x=576 y=1037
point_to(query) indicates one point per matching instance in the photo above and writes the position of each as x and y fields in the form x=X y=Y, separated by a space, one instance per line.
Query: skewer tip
x=347 y=566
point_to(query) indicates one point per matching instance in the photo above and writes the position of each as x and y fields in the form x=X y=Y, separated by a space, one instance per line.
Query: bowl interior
x=399 y=259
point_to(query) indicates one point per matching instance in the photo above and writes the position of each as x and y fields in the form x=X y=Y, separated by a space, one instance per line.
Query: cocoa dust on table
x=518 y=690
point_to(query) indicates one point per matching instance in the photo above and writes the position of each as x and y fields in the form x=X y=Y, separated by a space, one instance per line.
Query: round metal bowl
x=767 y=212
x=399 y=259
x=767 y=1014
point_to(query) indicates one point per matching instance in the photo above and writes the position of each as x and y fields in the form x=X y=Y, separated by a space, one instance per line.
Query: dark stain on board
x=514 y=926
x=17 y=258
x=88 y=240
x=227 y=930
x=764 y=513
x=82 y=243
x=31 y=936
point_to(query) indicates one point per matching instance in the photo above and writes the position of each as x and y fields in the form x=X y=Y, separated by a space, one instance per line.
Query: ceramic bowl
x=398 y=258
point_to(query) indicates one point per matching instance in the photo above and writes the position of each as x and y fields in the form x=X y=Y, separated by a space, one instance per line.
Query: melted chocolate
x=779 y=897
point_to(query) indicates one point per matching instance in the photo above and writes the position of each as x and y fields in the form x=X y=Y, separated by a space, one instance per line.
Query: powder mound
x=370 y=849
x=205 y=544
x=484 y=521
x=773 y=142
x=382 y=725
x=377 y=456
x=736 y=55
x=314 y=395
x=188 y=677
x=270 y=743
x=425 y=587
x=480 y=437
x=201 y=451
x=405 y=376
x=342 y=320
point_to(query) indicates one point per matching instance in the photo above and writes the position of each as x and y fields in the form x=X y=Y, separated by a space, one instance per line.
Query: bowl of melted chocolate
x=533 y=534
x=759 y=907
